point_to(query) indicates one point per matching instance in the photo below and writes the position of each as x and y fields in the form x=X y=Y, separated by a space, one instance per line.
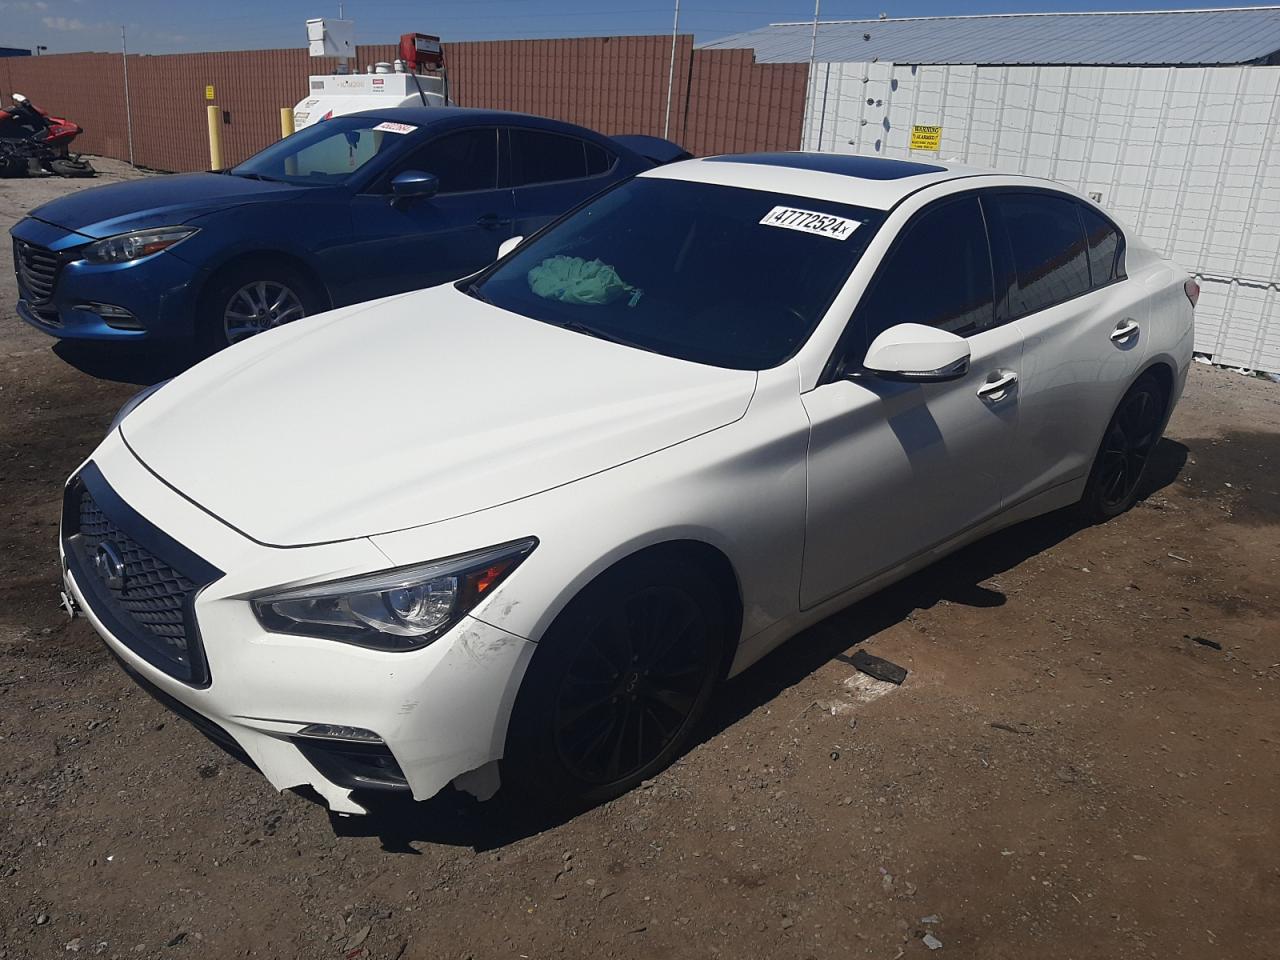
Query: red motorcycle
x=31 y=141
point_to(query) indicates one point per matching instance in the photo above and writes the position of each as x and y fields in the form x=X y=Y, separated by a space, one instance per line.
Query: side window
x=1106 y=247
x=1046 y=239
x=466 y=160
x=540 y=157
x=938 y=273
x=599 y=160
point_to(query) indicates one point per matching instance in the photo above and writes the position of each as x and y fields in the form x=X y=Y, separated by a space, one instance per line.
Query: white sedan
x=517 y=529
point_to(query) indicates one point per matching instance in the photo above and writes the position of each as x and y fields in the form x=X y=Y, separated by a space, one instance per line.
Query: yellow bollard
x=286 y=122
x=215 y=138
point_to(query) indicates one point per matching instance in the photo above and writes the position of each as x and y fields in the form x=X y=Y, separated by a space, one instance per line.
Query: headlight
x=401 y=609
x=136 y=245
x=132 y=404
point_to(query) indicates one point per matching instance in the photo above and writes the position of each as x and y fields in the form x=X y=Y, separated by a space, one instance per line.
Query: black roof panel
x=867 y=168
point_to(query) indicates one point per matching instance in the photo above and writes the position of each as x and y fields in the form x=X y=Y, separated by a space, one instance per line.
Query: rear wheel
x=71 y=167
x=617 y=685
x=1125 y=451
x=249 y=299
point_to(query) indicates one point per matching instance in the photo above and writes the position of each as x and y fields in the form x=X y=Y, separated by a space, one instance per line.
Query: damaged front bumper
x=338 y=718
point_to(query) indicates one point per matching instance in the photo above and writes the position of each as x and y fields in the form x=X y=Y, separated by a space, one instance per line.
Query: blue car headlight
x=136 y=244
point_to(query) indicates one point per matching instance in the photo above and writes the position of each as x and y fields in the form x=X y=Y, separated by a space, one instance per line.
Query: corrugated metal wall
x=1189 y=157
x=722 y=102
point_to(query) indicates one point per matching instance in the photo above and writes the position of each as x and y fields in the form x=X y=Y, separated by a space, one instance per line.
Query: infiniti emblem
x=107 y=562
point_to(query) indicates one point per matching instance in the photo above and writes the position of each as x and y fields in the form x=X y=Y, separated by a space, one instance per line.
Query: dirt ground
x=1083 y=763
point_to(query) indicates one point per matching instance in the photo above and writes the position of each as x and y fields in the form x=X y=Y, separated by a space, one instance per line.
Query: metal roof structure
x=1232 y=35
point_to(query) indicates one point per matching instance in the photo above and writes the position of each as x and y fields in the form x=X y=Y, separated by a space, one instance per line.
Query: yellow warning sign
x=926 y=138
x=208 y=95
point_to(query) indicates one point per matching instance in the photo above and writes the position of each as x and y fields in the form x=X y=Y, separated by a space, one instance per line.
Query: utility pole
x=813 y=51
x=671 y=73
x=128 y=106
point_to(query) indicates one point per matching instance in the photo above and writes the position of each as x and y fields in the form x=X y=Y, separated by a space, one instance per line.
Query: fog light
x=117 y=317
x=330 y=731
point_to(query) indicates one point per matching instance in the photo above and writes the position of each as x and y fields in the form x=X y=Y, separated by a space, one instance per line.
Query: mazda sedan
x=517 y=529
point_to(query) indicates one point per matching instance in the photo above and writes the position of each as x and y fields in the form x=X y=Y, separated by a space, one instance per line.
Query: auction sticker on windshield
x=822 y=224
x=390 y=127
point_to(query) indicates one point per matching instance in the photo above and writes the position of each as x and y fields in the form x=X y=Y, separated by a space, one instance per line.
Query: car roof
x=875 y=182
x=466 y=116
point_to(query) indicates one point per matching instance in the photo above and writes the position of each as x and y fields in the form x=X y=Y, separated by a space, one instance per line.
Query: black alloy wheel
x=618 y=684
x=1126 y=449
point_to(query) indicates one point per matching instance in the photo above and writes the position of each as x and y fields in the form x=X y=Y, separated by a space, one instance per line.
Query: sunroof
x=868 y=168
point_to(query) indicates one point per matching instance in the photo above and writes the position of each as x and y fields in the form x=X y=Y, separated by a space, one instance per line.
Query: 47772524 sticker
x=808 y=221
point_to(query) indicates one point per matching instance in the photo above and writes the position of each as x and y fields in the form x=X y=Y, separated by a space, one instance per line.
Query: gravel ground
x=1084 y=761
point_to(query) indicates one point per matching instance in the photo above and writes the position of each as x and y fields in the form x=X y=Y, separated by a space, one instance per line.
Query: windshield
x=325 y=153
x=718 y=275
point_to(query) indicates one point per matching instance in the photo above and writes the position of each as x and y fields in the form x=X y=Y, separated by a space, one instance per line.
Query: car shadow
x=454 y=818
x=141 y=364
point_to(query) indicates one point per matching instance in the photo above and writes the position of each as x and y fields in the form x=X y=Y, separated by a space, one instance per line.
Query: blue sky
x=156 y=26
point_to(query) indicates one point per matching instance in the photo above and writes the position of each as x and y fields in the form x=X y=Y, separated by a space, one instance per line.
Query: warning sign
x=208 y=91
x=926 y=138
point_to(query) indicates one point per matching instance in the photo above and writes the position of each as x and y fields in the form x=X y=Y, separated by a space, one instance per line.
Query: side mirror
x=916 y=353
x=506 y=246
x=414 y=185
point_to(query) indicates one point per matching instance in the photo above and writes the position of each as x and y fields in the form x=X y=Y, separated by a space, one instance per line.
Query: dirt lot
x=1084 y=761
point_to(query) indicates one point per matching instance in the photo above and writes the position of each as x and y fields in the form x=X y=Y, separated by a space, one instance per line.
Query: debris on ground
x=878 y=667
x=932 y=942
x=1205 y=642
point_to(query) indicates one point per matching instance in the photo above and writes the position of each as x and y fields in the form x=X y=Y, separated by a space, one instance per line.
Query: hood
x=413 y=409
x=155 y=202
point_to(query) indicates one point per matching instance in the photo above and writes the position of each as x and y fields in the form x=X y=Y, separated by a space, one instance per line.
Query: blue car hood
x=156 y=201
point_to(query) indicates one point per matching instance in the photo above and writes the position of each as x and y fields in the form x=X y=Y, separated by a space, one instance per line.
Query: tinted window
x=689 y=270
x=1047 y=245
x=1104 y=247
x=938 y=273
x=466 y=160
x=599 y=160
x=538 y=157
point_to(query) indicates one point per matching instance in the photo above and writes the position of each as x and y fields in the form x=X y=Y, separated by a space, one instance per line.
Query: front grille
x=140 y=583
x=37 y=270
x=152 y=593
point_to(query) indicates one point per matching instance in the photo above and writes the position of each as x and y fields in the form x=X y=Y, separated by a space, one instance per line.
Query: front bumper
x=148 y=299
x=441 y=711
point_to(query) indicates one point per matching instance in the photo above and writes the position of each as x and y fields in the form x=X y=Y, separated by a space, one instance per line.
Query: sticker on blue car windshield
x=807 y=221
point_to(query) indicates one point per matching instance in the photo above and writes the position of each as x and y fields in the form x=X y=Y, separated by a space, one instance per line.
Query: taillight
x=1192 y=290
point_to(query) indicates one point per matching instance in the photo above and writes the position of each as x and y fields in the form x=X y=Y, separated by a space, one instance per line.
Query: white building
x=1171 y=119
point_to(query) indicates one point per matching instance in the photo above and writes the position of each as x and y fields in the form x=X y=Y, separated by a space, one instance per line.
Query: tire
x=225 y=296
x=618 y=684
x=68 y=167
x=1127 y=444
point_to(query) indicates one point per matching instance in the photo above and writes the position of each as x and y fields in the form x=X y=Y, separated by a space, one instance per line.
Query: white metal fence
x=1188 y=157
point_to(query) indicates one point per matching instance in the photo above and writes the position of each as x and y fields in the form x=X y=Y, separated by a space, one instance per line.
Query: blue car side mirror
x=414 y=185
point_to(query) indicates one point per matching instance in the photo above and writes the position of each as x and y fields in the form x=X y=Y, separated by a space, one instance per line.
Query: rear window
x=541 y=157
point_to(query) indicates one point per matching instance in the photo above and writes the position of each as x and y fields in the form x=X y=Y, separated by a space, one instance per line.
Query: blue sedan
x=358 y=207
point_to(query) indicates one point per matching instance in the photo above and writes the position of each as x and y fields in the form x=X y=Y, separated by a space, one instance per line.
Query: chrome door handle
x=1125 y=331
x=491 y=220
x=1000 y=387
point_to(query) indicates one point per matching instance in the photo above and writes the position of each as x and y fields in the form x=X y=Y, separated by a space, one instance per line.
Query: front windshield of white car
x=718 y=275
x=325 y=153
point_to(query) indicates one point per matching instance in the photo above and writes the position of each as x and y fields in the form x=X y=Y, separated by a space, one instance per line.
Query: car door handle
x=491 y=220
x=1125 y=331
x=999 y=387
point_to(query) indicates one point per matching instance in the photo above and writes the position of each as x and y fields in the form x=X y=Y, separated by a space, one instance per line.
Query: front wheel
x=13 y=166
x=249 y=299
x=1125 y=451
x=618 y=684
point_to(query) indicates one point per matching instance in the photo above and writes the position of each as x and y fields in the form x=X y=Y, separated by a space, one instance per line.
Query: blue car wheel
x=250 y=298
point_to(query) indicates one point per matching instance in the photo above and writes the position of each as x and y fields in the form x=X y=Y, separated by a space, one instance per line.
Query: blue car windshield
x=718 y=275
x=325 y=153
